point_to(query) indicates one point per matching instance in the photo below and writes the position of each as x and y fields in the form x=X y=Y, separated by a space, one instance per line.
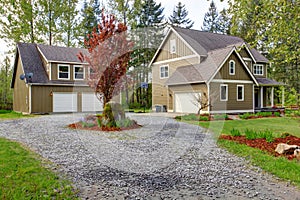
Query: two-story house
x=190 y=64
x=49 y=79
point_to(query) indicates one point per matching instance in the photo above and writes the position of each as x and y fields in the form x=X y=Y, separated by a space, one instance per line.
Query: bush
x=277 y=114
x=269 y=136
x=246 y=116
x=178 y=117
x=87 y=124
x=234 y=132
x=204 y=118
x=125 y=123
x=134 y=105
x=264 y=114
x=250 y=134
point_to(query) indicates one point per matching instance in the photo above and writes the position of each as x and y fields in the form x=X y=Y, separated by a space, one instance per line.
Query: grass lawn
x=280 y=167
x=8 y=114
x=276 y=125
x=22 y=176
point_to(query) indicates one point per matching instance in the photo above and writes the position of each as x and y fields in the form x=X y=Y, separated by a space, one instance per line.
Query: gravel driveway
x=164 y=159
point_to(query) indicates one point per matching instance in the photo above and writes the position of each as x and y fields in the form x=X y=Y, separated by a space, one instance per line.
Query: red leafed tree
x=108 y=55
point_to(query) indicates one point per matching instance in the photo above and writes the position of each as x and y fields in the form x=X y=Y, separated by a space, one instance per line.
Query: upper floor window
x=231 y=67
x=240 y=92
x=164 y=71
x=223 y=92
x=258 y=69
x=78 y=72
x=64 y=72
x=172 y=46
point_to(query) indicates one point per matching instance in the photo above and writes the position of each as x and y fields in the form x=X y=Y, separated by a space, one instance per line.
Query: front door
x=257 y=97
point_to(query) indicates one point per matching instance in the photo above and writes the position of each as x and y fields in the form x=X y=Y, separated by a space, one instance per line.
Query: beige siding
x=21 y=91
x=200 y=88
x=159 y=90
x=181 y=49
x=240 y=71
x=42 y=97
x=232 y=103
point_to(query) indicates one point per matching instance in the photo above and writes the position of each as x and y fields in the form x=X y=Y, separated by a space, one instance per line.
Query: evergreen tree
x=223 y=22
x=147 y=35
x=5 y=79
x=210 y=22
x=179 y=17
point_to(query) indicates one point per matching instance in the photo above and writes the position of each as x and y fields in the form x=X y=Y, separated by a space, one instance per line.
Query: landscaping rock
x=284 y=148
x=297 y=154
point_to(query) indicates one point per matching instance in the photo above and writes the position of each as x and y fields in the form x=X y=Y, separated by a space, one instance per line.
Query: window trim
x=164 y=72
x=63 y=65
x=237 y=93
x=262 y=69
x=224 y=85
x=231 y=61
x=78 y=66
x=173 y=44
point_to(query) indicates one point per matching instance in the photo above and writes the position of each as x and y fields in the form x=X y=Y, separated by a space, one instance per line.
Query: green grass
x=278 y=166
x=275 y=125
x=22 y=176
x=8 y=114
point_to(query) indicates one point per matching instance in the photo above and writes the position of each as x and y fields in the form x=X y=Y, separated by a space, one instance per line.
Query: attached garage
x=186 y=102
x=64 y=102
x=90 y=103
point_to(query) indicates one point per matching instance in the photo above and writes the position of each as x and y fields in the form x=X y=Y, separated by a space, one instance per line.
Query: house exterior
x=51 y=79
x=191 y=64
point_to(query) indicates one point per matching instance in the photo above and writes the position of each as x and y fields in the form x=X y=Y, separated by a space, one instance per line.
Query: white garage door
x=185 y=102
x=90 y=103
x=64 y=102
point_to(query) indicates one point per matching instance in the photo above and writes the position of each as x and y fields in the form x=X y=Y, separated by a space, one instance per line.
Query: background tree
x=223 y=22
x=109 y=53
x=210 y=21
x=5 y=90
x=179 y=17
x=272 y=27
x=147 y=35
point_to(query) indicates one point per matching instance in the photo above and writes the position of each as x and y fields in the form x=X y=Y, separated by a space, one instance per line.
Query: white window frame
x=62 y=65
x=237 y=92
x=173 y=46
x=74 y=72
x=233 y=73
x=89 y=72
x=224 y=85
x=160 y=71
x=255 y=70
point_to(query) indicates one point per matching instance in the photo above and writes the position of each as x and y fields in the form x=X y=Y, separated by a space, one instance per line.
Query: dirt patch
x=266 y=146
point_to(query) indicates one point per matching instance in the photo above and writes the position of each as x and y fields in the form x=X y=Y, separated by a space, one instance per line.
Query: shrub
x=178 y=117
x=125 y=123
x=269 y=136
x=250 y=134
x=264 y=114
x=277 y=114
x=234 y=132
x=204 y=118
x=87 y=124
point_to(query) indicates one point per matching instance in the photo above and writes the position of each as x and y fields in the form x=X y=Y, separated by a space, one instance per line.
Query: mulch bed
x=78 y=125
x=266 y=146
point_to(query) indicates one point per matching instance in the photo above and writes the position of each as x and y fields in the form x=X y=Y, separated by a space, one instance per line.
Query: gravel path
x=164 y=159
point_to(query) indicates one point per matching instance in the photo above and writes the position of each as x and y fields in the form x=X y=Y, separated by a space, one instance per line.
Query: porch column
x=262 y=97
x=272 y=96
x=282 y=97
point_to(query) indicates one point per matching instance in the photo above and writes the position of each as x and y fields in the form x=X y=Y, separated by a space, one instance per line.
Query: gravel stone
x=164 y=159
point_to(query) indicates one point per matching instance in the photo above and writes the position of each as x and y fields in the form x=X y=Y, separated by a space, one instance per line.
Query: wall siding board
x=21 y=91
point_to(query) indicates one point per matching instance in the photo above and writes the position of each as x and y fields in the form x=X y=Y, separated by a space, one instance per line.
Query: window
x=64 y=72
x=223 y=92
x=258 y=69
x=78 y=73
x=164 y=71
x=240 y=92
x=231 y=67
x=172 y=46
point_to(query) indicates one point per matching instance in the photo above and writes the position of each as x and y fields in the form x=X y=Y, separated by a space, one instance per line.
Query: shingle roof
x=61 y=54
x=203 y=42
x=267 y=81
x=200 y=72
x=31 y=62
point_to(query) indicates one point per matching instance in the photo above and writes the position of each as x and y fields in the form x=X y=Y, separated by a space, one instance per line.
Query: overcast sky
x=196 y=9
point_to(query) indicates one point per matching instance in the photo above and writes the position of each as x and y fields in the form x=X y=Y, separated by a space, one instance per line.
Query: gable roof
x=60 y=54
x=31 y=63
